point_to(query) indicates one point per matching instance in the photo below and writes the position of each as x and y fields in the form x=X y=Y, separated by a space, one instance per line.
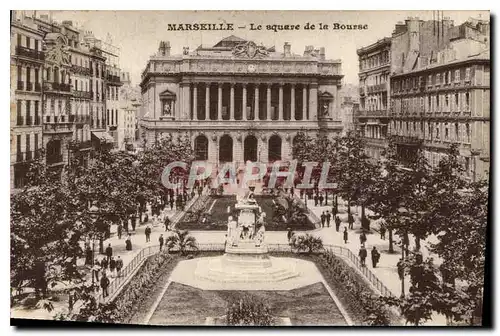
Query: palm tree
x=182 y=241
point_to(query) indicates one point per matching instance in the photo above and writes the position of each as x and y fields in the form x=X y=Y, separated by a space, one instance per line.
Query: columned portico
x=247 y=107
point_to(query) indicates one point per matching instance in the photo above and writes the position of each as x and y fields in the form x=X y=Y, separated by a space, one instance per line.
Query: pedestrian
x=350 y=219
x=148 y=234
x=104 y=264
x=323 y=218
x=292 y=191
x=133 y=222
x=161 y=240
x=328 y=218
x=375 y=257
x=362 y=238
x=321 y=198
x=345 y=235
x=109 y=252
x=95 y=270
x=88 y=255
x=289 y=235
x=104 y=285
x=119 y=266
x=128 y=243
x=382 y=231
x=337 y=223
x=167 y=223
x=362 y=255
x=119 y=230
x=315 y=200
x=334 y=210
x=112 y=266
x=401 y=269
x=146 y=218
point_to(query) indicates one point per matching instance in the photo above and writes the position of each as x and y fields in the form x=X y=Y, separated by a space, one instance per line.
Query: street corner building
x=428 y=84
x=239 y=100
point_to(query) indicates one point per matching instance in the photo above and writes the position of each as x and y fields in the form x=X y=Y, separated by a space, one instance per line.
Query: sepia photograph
x=250 y=168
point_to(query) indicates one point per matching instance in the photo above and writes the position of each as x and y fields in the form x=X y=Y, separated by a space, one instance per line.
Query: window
x=446 y=132
x=457 y=133
x=467 y=132
x=28 y=42
x=36 y=142
x=457 y=76
x=438 y=79
x=437 y=103
x=28 y=142
x=447 y=102
x=467 y=74
x=36 y=45
x=19 y=73
x=19 y=43
x=18 y=108
x=467 y=101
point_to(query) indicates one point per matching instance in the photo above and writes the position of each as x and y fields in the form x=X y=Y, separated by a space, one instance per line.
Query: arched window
x=201 y=148
x=274 y=148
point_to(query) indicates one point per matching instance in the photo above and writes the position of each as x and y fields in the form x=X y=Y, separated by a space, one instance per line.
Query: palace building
x=239 y=101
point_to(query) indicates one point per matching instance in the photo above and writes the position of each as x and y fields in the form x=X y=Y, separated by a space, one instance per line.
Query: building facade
x=372 y=117
x=239 y=101
x=113 y=83
x=443 y=98
x=27 y=66
x=127 y=114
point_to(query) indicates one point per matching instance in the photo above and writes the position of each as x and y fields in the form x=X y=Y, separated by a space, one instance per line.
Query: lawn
x=307 y=306
x=217 y=208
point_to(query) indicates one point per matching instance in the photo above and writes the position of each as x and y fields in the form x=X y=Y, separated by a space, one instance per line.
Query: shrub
x=307 y=243
x=248 y=311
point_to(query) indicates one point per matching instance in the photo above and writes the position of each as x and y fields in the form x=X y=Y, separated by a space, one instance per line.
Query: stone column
x=231 y=103
x=256 y=103
x=219 y=102
x=280 y=106
x=195 y=101
x=268 y=102
x=304 y=102
x=186 y=103
x=207 y=101
x=244 y=103
x=292 y=102
x=313 y=101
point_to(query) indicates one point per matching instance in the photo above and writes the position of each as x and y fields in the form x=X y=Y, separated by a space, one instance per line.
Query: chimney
x=161 y=49
x=167 y=48
x=287 y=49
x=322 y=53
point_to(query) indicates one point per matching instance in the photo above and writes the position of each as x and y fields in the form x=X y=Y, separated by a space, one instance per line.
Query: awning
x=103 y=136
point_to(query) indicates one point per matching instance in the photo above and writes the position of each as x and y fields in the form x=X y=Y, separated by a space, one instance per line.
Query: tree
x=182 y=241
x=307 y=243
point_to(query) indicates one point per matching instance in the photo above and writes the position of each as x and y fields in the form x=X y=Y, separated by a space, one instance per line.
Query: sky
x=138 y=33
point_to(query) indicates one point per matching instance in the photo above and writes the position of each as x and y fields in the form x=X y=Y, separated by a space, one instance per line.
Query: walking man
x=104 y=285
x=337 y=223
x=382 y=231
x=328 y=218
x=112 y=266
x=323 y=218
x=161 y=240
x=362 y=255
x=401 y=269
x=362 y=238
x=350 y=219
x=109 y=253
x=167 y=223
x=119 y=230
x=345 y=235
x=375 y=257
x=321 y=198
x=315 y=200
x=119 y=266
x=148 y=234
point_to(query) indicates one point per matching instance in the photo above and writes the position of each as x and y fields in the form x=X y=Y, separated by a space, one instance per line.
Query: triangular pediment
x=167 y=94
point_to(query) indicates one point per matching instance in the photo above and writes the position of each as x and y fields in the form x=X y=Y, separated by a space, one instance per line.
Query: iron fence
x=118 y=283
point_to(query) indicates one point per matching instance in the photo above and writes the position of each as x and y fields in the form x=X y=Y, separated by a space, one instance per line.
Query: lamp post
x=94 y=214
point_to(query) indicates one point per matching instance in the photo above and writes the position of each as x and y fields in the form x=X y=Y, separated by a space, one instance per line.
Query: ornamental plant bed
x=216 y=214
x=352 y=289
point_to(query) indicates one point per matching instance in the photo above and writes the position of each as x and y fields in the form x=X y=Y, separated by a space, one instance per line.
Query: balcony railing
x=377 y=88
x=81 y=70
x=113 y=79
x=82 y=94
x=54 y=158
x=27 y=52
x=52 y=86
x=374 y=114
